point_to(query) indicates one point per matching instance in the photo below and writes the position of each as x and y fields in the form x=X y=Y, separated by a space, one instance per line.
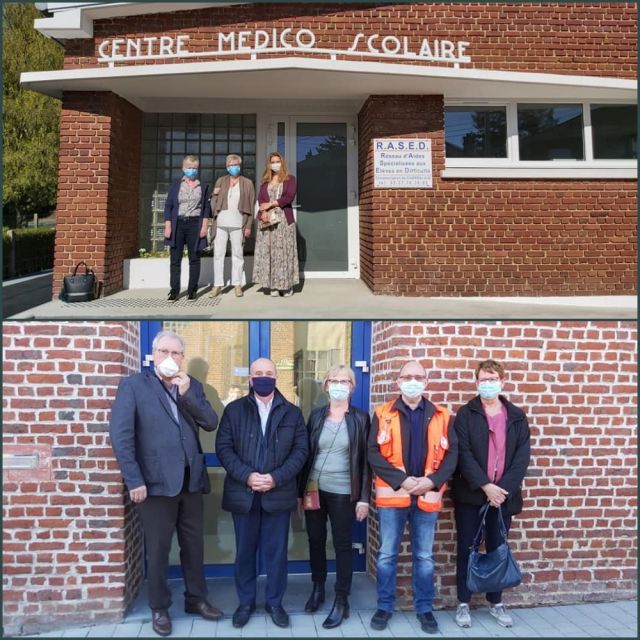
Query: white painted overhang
x=312 y=78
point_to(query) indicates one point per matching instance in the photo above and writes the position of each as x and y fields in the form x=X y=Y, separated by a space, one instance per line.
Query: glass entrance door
x=218 y=355
x=321 y=153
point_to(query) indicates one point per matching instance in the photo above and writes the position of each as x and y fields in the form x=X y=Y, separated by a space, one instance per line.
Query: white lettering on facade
x=254 y=41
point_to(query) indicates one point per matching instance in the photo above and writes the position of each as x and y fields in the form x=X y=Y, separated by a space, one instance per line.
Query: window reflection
x=550 y=132
x=476 y=132
x=216 y=355
x=615 y=131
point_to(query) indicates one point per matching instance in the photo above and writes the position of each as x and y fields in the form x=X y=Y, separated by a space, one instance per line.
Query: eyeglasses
x=344 y=383
x=410 y=378
x=173 y=354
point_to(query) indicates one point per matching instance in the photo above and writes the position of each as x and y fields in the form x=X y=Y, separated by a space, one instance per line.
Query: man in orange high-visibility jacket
x=413 y=451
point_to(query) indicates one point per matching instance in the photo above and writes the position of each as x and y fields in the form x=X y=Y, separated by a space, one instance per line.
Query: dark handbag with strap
x=495 y=570
x=79 y=287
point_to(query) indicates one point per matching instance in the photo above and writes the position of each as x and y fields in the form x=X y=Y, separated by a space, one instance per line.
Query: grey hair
x=191 y=158
x=233 y=156
x=167 y=334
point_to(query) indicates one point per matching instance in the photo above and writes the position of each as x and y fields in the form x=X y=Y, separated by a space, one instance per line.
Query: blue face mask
x=233 y=170
x=489 y=389
x=191 y=173
x=338 y=392
x=412 y=388
x=263 y=385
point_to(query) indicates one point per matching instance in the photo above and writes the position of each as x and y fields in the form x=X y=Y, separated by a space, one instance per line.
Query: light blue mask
x=191 y=173
x=338 y=392
x=489 y=389
x=233 y=170
x=412 y=388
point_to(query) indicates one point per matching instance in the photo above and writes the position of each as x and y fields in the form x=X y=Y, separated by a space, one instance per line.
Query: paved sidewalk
x=593 y=620
x=334 y=299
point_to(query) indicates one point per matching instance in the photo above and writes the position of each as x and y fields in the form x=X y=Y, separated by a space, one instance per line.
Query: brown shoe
x=239 y=291
x=215 y=292
x=161 y=622
x=204 y=609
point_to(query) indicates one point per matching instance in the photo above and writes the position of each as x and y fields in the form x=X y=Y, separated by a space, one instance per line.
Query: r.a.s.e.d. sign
x=402 y=163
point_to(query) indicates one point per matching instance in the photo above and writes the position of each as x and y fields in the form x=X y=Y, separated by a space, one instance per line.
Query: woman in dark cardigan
x=276 y=253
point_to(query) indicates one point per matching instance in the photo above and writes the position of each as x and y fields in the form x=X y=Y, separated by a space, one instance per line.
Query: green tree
x=30 y=120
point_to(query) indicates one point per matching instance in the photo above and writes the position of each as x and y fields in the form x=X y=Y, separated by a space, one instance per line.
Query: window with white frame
x=540 y=139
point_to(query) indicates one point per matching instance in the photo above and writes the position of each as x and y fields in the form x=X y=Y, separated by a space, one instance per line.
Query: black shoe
x=338 y=613
x=192 y=295
x=380 y=619
x=242 y=614
x=427 y=622
x=161 y=622
x=279 y=616
x=173 y=296
x=316 y=598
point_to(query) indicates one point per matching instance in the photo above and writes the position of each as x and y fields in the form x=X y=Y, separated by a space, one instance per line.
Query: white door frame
x=353 y=224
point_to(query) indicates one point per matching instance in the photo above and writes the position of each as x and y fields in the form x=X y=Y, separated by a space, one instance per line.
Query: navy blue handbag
x=493 y=571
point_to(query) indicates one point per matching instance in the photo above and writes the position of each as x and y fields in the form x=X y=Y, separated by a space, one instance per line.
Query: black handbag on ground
x=79 y=287
x=496 y=570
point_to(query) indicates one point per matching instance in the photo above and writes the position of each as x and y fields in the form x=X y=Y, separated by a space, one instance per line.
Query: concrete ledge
x=332 y=299
x=21 y=294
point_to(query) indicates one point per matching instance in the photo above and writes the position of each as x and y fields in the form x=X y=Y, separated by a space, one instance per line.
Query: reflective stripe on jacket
x=389 y=439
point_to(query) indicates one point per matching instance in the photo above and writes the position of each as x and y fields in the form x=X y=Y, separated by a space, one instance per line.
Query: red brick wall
x=72 y=545
x=488 y=237
x=592 y=38
x=576 y=539
x=98 y=186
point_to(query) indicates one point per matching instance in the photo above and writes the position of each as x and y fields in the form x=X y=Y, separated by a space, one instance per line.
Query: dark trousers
x=161 y=516
x=186 y=232
x=269 y=533
x=467 y=523
x=340 y=510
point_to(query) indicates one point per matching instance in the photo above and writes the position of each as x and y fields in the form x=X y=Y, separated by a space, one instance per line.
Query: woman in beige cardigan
x=232 y=206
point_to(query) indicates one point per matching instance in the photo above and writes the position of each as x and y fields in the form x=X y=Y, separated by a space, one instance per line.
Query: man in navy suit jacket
x=154 y=427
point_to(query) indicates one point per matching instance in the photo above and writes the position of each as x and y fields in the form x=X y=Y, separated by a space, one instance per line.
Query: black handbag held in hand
x=495 y=570
x=79 y=287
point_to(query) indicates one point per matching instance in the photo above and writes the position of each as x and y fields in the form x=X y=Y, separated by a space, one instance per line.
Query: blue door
x=218 y=354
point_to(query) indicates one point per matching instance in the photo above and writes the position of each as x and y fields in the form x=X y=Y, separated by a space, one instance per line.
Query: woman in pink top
x=493 y=456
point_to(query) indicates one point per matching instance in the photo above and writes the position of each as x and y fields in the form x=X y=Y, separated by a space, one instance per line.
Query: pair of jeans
x=340 y=510
x=264 y=531
x=223 y=236
x=467 y=523
x=187 y=232
x=422 y=526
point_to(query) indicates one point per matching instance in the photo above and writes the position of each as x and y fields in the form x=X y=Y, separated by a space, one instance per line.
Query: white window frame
x=512 y=167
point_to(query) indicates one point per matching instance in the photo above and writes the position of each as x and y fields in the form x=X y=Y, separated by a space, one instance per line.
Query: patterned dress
x=276 y=254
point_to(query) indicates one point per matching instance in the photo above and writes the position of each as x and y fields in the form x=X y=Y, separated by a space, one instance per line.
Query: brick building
x=72 y=547
x=521 y=181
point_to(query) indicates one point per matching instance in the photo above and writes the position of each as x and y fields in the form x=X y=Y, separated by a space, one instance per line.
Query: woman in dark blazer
x=276 y=254
x=186 y=217
x=493 y=456
x=337 y=467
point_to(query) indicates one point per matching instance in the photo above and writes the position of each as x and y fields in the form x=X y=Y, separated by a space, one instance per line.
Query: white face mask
x=168 y=367
x=276 y=166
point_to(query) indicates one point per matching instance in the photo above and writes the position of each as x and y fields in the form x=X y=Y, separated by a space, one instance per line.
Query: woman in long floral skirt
x=276 y=254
